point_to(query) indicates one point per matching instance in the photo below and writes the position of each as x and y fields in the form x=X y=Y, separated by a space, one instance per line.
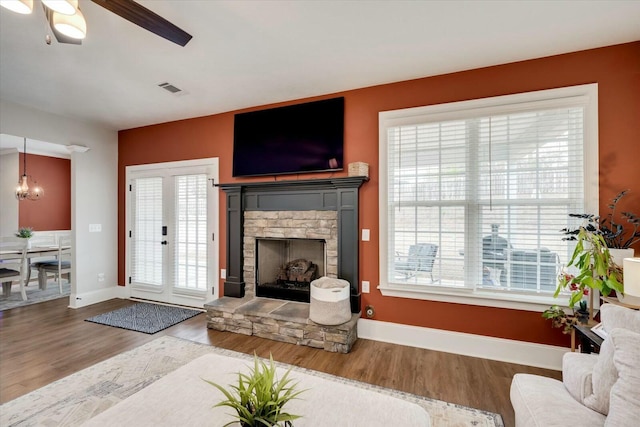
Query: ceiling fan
x=68 y=24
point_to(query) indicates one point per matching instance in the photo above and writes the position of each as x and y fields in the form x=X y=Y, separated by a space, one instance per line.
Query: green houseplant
x=560 y=319
x=610 y=226
x=259 y=396
x=596 y=269
x=25 y=232
x=615 y=234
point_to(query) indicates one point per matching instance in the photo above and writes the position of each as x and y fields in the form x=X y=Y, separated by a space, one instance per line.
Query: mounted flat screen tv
x=298 y=138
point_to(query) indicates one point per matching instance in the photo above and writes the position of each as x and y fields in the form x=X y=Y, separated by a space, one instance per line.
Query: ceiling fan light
x=24 y=7
x=73 y=26
x=65 y=7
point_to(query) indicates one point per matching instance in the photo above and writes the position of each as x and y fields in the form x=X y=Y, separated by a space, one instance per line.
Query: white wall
x=9 y=174
x=94 y=180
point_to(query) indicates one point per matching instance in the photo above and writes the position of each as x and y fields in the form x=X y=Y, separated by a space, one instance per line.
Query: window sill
x=499 y=299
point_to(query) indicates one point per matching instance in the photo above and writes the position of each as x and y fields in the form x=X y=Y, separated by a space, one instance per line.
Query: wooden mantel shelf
x=314 y=184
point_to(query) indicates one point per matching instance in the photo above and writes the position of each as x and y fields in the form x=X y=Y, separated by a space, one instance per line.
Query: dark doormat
x=144 y=317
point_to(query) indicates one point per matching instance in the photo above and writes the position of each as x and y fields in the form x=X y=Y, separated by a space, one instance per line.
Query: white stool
x=330 y=303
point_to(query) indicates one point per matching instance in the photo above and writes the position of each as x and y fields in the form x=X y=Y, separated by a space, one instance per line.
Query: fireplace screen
x=286 y=267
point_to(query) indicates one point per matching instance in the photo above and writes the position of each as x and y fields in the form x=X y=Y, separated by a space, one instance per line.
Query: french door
x=172 y=221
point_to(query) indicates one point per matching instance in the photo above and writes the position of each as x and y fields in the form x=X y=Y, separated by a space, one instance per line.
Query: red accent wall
x=53 y=210
x=616 y=69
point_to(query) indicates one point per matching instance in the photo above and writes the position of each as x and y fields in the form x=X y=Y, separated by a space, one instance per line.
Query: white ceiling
x=248 y=53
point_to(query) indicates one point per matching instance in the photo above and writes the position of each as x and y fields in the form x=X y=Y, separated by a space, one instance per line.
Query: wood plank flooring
x=44 y=342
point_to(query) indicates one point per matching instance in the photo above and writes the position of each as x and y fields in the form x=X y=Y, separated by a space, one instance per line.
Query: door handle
x=164 y=242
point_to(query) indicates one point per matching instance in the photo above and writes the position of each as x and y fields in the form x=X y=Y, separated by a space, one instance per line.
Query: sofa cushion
x=577 y=369
x=603 y=377
x=624 y=409
x=544 y=402
x=615 y=316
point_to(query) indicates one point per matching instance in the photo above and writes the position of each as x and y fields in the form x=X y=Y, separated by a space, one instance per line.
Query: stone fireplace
x=313 y=209
x=274 y=239
x=285 y=268
x=279 y=235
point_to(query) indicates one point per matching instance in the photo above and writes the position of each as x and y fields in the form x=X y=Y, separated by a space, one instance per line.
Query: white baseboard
x=94 y=297
x=503 y=350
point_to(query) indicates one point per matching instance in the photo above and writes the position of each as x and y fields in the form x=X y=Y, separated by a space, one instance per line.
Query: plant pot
x=582 y=316
x=618 y=255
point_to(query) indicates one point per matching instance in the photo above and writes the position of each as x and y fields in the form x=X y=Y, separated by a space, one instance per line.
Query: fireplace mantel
x=335 y=194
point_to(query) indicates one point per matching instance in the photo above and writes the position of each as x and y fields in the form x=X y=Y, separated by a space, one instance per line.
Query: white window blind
x=147 y=262
x=476 y=198
x=191 y=232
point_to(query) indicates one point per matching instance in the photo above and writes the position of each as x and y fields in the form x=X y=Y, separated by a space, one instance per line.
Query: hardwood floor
x=44 y=342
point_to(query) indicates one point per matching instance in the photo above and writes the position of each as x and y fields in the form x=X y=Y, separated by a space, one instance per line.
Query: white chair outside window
x=13 y=265
x=61 y=265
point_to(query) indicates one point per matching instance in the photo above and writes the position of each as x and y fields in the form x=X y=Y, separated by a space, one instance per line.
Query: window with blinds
x=475 y=197
x=147 y=261
x=191 y=232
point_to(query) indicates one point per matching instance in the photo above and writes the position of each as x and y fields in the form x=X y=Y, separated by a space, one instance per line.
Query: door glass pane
x=191 y=232
x=147 y=231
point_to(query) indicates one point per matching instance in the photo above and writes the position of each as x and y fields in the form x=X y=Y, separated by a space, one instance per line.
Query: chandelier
x=23 y=190
x=64 y=16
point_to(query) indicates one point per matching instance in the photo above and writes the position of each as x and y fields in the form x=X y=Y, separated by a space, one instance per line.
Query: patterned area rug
x=145 y=317
x=79 y=397
x=34 y=294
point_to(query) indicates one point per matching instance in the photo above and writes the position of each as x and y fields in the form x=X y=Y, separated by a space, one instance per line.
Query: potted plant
x=25 y=233
x=617 y=238
x=560 y=319
x=613 y=232
x=259 y=396
x=596 y=269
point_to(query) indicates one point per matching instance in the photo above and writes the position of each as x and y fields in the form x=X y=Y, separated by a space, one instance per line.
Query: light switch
x=365 y=287
x=95 y=228
x=223 y=273
x=365 y=234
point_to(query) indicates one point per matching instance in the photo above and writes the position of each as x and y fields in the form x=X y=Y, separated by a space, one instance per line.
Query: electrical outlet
x=223 y=273
x=369 y=311
x=100 y=277
x=365 y=287
x=95 y=228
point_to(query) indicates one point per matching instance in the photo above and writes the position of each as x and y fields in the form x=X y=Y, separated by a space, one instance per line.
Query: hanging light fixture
x=23 y=192
x=73 y=26
x=24 y=7
x=65 y=7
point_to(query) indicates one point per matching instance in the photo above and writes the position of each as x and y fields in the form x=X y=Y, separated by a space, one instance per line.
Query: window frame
x=581 y=95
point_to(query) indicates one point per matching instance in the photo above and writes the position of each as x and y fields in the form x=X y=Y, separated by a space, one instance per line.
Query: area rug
x=79 y=397
x=145 y=317
x=34 y=295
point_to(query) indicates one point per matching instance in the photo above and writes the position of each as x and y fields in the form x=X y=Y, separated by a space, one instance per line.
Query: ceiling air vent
x=169 y=87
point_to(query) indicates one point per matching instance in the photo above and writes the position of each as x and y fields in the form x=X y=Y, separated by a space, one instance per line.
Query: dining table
x=32 y=252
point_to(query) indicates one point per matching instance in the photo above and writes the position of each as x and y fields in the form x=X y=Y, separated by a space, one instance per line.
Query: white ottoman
x=330 y=303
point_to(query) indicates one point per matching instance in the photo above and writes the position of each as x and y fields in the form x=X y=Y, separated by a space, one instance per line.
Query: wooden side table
x=589 y=341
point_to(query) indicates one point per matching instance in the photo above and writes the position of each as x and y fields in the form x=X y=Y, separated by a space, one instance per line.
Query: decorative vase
x=28 y=244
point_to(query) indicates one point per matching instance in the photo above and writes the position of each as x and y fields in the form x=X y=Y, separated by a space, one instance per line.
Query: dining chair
x=13 y=265
x=40 y=239
x=61 y=265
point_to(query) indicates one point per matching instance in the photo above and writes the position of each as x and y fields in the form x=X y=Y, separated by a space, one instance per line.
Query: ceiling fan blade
x=143 y=17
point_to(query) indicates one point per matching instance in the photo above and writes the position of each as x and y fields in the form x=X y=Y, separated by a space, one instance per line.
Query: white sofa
x=596 y=390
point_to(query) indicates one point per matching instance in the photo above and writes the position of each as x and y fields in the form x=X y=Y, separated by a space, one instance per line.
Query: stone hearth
x=280 y=320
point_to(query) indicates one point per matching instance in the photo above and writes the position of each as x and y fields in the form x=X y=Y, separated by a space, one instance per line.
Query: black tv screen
x=293 y=139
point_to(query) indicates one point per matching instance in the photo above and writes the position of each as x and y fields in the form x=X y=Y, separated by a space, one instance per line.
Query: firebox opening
x=285 y=268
